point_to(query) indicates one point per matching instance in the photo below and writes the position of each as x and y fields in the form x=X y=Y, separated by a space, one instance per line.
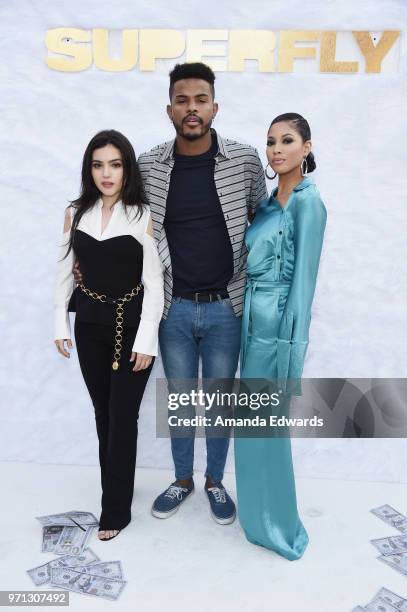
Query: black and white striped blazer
x=240 y=183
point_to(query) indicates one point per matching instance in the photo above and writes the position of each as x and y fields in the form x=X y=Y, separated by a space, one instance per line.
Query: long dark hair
x=301 y=125
x=132 y=191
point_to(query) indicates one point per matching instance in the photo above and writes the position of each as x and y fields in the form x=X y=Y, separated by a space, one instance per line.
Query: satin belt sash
x=253 y=285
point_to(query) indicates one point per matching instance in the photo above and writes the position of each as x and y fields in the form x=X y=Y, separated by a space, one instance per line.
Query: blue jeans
x=209 y=330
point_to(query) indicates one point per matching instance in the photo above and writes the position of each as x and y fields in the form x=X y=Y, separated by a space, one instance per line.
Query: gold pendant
x=115 y=365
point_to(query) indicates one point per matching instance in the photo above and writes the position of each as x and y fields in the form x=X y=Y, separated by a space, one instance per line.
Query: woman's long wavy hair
x=132 y=192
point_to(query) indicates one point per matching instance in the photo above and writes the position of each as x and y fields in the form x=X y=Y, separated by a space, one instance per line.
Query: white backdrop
x=47 y=118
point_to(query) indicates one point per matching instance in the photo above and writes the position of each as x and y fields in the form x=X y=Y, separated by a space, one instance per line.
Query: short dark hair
x=301 y=125
x=192 y=70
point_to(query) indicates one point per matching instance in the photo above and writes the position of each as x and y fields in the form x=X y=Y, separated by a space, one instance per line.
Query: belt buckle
x=208 y=293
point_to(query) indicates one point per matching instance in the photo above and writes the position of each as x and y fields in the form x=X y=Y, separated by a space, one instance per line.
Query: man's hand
x=251 y=215
x=142 y=361
x=60 y=344
x=77 y=273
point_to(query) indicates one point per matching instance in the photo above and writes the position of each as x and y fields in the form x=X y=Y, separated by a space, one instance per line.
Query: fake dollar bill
x=392 y=598
x=111 y=569
x=397 y=562
x=72 y=540
x=81 y=582
x=42 y=573
x=50 y=537
x=390 y=516
x=75 y=517
x=380 y=605
x=391 y=546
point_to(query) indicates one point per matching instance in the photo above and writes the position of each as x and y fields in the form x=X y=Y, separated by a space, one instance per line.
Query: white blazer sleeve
x=146 y=340
x=64 y=286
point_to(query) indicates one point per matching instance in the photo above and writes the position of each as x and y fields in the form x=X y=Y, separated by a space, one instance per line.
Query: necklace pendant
x=115 y=365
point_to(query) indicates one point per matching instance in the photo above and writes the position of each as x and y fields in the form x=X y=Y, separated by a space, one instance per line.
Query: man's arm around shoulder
x=258 y=190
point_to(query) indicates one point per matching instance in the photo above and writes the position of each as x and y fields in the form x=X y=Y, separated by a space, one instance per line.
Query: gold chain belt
x=119 y=315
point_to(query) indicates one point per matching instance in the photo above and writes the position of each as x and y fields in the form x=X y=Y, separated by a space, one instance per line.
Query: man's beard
x=191 y=136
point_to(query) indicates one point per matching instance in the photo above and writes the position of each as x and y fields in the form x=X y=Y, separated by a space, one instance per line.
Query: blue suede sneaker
x=168 y=502
x=223 y=508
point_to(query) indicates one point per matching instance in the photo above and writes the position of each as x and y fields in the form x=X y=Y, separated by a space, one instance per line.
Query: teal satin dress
x=284 y=245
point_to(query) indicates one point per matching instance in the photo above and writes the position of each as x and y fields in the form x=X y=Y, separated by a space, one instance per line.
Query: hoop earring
x=267 y=175
x=304 y=172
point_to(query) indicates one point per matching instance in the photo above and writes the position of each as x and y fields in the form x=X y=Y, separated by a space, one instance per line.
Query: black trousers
x=116 y=397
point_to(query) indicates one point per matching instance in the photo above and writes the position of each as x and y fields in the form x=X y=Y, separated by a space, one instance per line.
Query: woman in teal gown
x=284 y=245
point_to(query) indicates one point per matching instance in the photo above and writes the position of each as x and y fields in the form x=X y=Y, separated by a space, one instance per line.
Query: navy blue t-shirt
x=198 y=240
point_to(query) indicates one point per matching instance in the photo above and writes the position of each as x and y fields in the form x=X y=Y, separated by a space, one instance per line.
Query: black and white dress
x=112 y=263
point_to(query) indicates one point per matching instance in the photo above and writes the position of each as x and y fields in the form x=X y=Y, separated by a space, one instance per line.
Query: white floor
x=188 y=561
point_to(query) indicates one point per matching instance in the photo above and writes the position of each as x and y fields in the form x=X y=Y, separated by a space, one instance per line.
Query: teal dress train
x=284 y=247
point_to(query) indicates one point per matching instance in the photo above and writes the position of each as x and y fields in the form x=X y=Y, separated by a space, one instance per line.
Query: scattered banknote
x=81 y=582
x=75 y=517
x=42 y=573
x=392 y=598
x=394 y=553
x=380 y=605
x=398 y=562
x=384 y=601
x=391 y=546
x=50 y=537
x=390 y=516
x=111 y=569
x=72 y=540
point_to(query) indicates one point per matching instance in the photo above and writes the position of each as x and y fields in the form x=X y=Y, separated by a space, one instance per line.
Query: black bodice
x=113 y=267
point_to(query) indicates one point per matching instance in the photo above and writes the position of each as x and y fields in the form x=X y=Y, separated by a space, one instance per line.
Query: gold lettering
x=198 y=51
x=288 y=51
x=69 y=49
x=251 y=44
x=374 y=54
x=159 y=44
x=63 y=41
x=328 y=62
x=101 y=50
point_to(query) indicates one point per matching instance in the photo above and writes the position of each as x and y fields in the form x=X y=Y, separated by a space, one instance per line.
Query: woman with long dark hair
x=284 y=243
x=118 y=303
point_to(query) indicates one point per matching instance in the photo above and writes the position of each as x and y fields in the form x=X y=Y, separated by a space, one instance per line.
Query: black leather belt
x=204 y=296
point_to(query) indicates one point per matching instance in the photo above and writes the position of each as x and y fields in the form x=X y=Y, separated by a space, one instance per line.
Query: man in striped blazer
x=201 y=189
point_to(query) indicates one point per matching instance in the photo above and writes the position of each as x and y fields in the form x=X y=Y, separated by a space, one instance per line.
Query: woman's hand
x=60 y=344
x=142 y=361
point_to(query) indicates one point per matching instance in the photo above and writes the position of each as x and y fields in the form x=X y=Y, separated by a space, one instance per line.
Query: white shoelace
x=175 y=492
x=219 y=494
